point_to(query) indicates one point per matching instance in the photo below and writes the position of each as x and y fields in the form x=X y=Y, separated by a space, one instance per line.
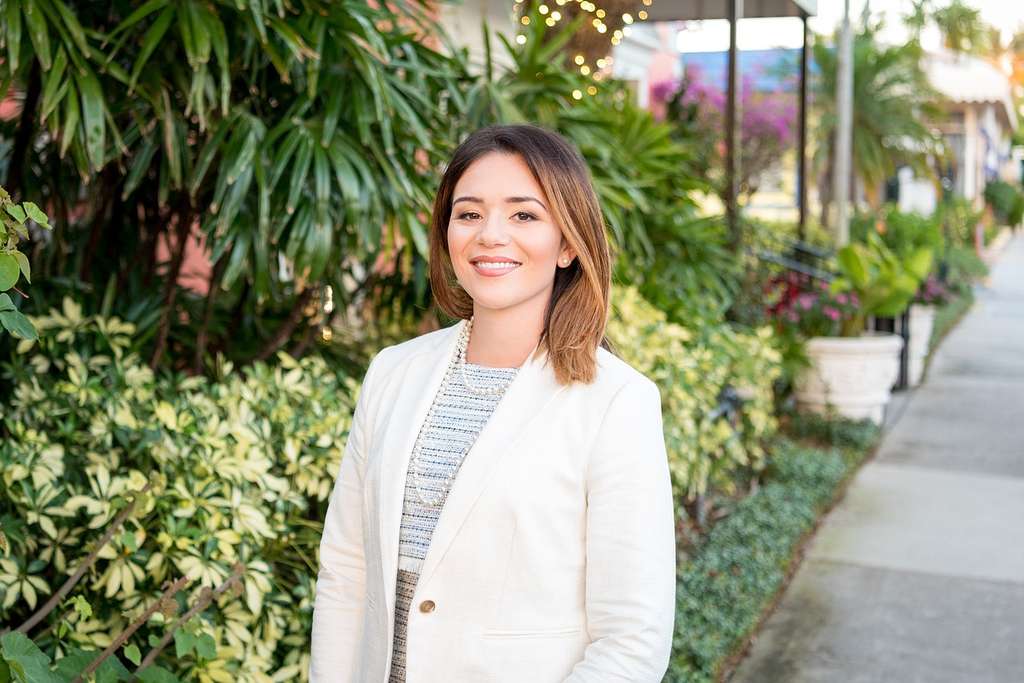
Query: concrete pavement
x=917 y=575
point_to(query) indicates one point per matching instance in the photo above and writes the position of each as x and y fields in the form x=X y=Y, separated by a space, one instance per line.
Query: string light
x=551 y=18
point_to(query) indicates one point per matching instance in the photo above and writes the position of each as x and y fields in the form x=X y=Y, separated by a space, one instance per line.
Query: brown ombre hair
x=577 y=314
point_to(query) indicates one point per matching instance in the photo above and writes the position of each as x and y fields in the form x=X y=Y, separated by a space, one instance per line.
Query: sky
x=759 y=34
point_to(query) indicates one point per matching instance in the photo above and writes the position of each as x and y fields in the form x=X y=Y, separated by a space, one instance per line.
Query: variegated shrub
x=242 y=468
x=692 y=366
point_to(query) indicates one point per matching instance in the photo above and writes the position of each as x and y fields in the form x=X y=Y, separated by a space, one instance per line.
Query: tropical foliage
x=296 y=145
x=892 y=99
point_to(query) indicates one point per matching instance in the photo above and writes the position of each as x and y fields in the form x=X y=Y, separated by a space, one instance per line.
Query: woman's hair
x=577 y=315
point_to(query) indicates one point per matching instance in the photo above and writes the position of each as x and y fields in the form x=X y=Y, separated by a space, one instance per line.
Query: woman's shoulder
x=390 y=356
x=615 y=374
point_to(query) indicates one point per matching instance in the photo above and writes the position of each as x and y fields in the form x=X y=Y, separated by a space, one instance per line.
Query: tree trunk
x=184 y=228
x=284 y=333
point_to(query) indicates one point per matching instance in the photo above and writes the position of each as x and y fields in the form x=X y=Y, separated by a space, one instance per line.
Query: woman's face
x=500 y=214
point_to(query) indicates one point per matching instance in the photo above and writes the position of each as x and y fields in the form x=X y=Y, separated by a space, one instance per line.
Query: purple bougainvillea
x=767 y=124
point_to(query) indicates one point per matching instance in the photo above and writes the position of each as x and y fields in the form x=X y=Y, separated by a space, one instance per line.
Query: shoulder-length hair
x=577 y=314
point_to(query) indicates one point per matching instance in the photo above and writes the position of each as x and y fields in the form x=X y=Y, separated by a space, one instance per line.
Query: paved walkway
x=917 y=575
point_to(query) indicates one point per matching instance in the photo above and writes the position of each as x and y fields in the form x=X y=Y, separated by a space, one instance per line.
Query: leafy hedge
x=692 y=367
x=736 y=574
x=240 y=471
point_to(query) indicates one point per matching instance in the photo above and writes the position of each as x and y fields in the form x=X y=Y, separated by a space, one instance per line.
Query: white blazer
x=554 y=556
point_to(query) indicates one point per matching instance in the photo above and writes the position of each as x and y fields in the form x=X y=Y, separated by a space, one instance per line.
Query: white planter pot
x=854 y=375
x=922 y=319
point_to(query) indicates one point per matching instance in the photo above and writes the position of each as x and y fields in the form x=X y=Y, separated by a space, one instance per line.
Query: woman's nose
x=493 y=231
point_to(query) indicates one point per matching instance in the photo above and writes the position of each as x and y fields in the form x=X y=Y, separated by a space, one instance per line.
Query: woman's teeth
x=496 y=266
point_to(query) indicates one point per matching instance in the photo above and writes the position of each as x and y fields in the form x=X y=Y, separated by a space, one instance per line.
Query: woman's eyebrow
x=508 y=200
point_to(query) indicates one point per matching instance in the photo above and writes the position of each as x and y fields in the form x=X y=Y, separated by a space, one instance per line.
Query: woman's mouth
x=494 y=269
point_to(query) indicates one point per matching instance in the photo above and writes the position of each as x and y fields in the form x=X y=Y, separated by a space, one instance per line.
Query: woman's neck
x=502 y=340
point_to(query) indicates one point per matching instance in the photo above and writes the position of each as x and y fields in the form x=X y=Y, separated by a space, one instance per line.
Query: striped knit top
x=459 y=415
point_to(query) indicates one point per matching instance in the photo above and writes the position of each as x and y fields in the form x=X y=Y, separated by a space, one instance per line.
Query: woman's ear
x=566 y=255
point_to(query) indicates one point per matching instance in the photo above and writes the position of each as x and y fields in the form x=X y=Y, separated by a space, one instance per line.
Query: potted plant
x=851 y=368
x=931 y=294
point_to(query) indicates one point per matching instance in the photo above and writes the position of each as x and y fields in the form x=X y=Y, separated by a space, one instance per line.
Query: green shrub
x=1006 y=200
x=958 y=218
x=692 y=367
x=241 y=470
x=902 y=232
x=963 y=267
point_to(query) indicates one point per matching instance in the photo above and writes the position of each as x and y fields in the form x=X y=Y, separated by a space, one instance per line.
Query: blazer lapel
x=528 y=393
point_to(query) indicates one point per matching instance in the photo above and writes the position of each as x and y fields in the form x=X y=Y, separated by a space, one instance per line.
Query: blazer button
x=427 y=606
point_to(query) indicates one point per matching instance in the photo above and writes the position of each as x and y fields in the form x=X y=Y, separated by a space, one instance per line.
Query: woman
x=503 y=510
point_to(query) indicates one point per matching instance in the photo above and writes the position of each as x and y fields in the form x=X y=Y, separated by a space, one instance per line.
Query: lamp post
x=844 y=129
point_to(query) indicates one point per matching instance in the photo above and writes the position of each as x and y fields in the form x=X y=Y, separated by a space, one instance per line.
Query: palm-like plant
x=962 y=28
x=299 y=138
x=892 y=100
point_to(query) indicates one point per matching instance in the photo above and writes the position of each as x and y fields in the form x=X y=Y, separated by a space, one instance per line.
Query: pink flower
x=792 y=317
x=831 y=313
x=842 y=298
x=806 y=301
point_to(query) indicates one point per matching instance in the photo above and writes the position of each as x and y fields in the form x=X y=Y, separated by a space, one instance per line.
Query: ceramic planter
x=854 y=375
x=922 y=319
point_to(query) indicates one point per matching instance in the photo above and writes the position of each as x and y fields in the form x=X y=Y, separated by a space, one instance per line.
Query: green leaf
x=16 y=211
x=18 y=325
x=27 y=662
x=26 y=269
x=141 y=162
x=12 y=10
x=184 y=642
x=219 y=41
x=36 y=23
x=206 y=647
x=853 y=265
x=210 y=150
x=5 y=305
x=56 y=85
x=71 y=114
x=131 y=652
x=299 y=171
x=36 y=214
x=150 y=41
x=9 y=270
x=919 y=264
x=156 y=674
x=73 y=27
x=92 y=118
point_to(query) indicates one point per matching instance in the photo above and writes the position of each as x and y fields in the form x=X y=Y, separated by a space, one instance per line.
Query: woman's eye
x=466 y=214
x=529 y=216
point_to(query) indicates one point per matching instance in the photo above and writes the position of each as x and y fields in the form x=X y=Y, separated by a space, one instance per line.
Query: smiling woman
x=554 y=558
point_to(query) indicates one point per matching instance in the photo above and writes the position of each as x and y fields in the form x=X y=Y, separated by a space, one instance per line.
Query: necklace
x=456 y=364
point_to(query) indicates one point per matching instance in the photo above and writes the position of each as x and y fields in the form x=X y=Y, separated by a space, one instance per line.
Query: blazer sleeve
x=341 y=581
x=631 y=545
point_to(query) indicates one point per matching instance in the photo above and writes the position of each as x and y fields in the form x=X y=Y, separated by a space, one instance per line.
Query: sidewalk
x=917 y=575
